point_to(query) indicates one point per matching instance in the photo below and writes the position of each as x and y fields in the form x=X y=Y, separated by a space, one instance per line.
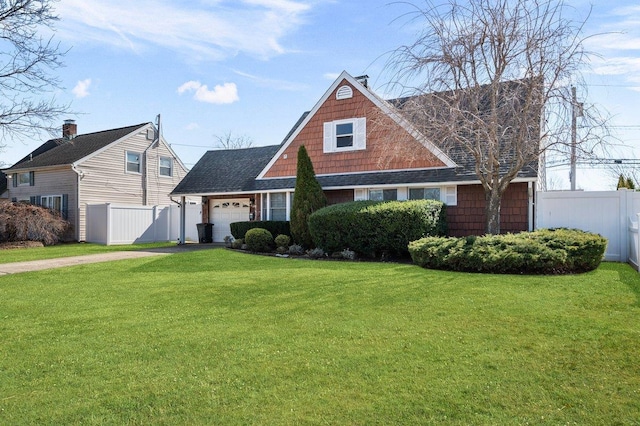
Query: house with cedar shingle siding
x=131 y=165
x=362 y=148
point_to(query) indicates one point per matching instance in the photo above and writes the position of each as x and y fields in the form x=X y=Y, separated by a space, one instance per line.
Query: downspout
x=145 y=180
x=80 y=175
x=531 y=192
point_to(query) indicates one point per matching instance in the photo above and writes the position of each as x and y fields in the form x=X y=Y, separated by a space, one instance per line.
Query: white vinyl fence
x=113 y=224
x=612 y=214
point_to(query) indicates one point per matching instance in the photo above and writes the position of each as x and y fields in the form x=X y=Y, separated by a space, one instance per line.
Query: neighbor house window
x=133 y=162
x=53 y=202
x=278 y=206
x=24 y=178
x=383 y=194
x=166 y=166
x=345 y=135
x=424 y=194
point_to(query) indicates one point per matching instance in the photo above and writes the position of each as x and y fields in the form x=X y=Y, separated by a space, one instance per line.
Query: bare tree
x=490 y=80
x=230 y=141
x=27 y=62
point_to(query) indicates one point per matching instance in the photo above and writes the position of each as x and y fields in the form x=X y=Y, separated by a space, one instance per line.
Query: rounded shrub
x=259 y=240
x=372 y=228
x=282 y=241
x=539 y=252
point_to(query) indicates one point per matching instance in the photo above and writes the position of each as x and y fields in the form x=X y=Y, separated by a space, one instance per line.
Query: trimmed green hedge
x=259 y=240
x=546 y=251
x=276 y=227
x=373 y=228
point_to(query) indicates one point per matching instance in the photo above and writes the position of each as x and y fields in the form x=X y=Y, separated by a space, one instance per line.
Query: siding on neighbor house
x=468 y=217
x=56 y=181
x=105 y=179
x=378 y=154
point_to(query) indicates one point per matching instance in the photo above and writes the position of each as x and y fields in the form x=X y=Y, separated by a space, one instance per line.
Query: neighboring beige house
x=128 y=165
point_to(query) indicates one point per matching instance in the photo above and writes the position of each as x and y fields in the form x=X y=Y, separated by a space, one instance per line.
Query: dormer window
x=345 y=135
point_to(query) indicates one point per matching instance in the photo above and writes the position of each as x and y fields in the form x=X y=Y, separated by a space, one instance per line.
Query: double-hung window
x=24 y=178
x=345 y=135
x=133 y=162
x=166 y=166
x=278 y=206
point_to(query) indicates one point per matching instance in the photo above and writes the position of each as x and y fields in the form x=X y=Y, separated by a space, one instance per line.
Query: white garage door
x=224 y=212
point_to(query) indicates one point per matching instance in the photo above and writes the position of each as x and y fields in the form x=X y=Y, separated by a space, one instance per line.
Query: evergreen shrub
x=259 y=240
x=276 y=227
x=372 y=228
x=539 y=252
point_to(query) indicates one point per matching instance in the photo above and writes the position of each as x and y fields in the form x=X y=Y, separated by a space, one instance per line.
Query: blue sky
x=251 y=67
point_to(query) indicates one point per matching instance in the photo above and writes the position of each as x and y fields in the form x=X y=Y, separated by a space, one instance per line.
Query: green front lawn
x=219 y=337
x=71 y=249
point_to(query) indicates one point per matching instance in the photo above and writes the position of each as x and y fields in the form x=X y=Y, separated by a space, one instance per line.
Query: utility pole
x=576 y=111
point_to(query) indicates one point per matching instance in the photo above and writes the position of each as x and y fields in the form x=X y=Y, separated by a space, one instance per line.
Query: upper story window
x=24 y=178
x=133 y=162
x=166 y=166
x=345 y=135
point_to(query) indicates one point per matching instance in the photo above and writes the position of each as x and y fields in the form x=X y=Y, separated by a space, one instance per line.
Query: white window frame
x=127 y=162
x=161 y=167
x=382 y=193
x=448 y=194
x=359 y=135
x=47 y=201
x=20 y=180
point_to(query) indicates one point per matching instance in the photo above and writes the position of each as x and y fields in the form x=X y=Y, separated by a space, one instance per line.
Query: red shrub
x=26 y=222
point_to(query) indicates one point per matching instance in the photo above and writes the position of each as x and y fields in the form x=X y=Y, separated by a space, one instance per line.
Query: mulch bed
x=20 y=244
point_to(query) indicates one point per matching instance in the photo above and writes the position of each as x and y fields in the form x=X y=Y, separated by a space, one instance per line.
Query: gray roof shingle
x=228 y=170
x=63 y=151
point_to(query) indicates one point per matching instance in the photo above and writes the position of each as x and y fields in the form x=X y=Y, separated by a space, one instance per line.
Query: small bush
x=276 y=227
x=26 y=222
x=372 y=228
x=296 y=250
x=316 y=253
x=237 y=244
x=282 y=241
x=348 y=254
x=539 y=252
x=259 y=240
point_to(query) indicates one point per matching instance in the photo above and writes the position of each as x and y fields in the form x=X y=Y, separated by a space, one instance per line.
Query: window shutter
x=15 y=179
x=32 y=178
x=329 y=137
x=65 y=206
x=451 y=196
x=32 y=200
x=360 y=133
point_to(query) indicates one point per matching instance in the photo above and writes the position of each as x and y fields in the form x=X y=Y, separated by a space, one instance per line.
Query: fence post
x=108 y=223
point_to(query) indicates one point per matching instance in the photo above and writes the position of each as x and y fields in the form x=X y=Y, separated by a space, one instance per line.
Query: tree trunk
x=493 y=199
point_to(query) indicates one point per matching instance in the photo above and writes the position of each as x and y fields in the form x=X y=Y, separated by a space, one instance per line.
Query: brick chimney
x=69 y=129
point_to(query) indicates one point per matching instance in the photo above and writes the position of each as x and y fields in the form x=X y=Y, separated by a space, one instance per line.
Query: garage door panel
x=224 y=212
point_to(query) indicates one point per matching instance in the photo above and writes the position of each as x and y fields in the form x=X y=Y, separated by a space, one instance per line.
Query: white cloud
x=81 y=89
x=226 y=93
x=273 y=83
x=192 y=126
x=200 y=30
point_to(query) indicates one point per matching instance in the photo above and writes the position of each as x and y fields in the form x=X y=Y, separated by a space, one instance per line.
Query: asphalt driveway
x=38 y=265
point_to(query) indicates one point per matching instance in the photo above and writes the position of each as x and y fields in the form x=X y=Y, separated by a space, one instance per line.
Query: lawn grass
x=70 y=249
x=219 y=337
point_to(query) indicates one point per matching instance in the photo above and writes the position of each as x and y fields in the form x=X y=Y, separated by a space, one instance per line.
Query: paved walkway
x=60 y=262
